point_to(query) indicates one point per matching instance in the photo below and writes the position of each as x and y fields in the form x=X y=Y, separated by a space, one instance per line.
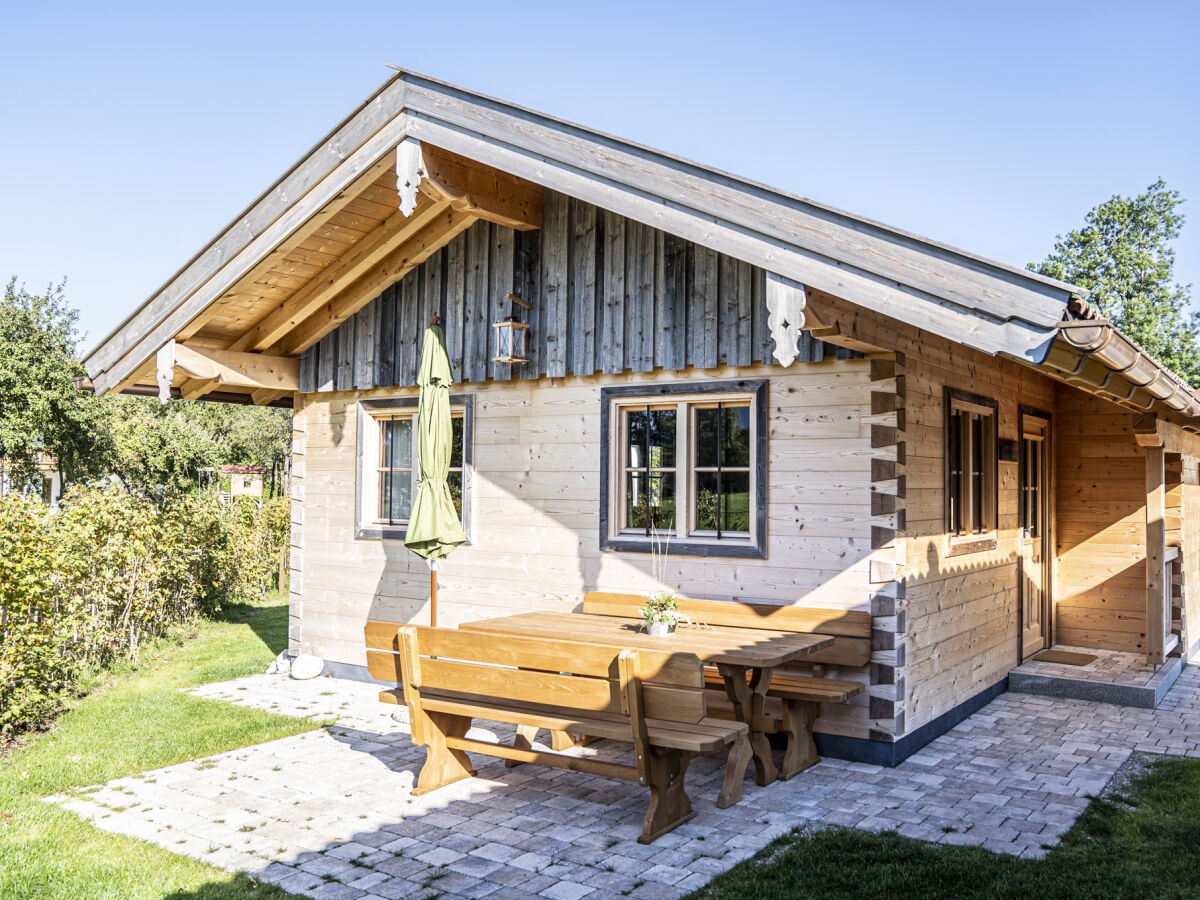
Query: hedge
x=91 y=582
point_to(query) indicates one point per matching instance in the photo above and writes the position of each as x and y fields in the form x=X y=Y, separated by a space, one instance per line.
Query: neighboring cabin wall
x=958 y=632
x=536 y=512
x=1101 y=584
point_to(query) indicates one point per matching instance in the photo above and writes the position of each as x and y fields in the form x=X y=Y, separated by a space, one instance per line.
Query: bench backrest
x=383 y=650
x=553 y=673
x=851 y=628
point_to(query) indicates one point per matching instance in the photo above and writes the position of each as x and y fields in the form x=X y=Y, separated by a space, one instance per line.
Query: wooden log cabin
x=818 y=410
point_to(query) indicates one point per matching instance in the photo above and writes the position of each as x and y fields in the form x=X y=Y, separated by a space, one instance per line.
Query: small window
x=686 y=464
x=971 y=470
x=389 y=465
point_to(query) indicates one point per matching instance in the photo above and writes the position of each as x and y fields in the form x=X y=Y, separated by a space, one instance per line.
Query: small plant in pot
x=661 y=613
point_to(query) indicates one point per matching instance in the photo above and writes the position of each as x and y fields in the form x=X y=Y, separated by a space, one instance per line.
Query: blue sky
x=134 y=132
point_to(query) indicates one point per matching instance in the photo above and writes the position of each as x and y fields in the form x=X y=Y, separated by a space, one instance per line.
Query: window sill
x=380 y=532
x=964 y=546
x=731 y=549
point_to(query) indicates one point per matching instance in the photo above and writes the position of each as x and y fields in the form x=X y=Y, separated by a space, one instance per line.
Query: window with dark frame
x=971 y=464
x=687 y=466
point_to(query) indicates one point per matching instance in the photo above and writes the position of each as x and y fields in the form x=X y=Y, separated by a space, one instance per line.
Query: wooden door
x=1035 y=522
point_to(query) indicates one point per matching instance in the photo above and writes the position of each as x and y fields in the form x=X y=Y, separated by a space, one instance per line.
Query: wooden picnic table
x=745 y=658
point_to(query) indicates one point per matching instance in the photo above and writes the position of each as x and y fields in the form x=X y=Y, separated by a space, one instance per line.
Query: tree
x=159 y=449
x=1122 y=255
x=42 y=417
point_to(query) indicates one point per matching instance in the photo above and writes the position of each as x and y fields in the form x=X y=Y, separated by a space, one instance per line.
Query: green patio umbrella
x=433 y=526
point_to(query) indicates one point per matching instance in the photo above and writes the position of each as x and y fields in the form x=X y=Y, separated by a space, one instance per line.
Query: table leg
x=748 y=698
x=798 y=719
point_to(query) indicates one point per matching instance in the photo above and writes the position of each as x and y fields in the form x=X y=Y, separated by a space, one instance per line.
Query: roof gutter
x=1094 y=355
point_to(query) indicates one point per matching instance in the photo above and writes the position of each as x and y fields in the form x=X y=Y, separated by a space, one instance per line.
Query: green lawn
x=138 y=721
x=1143 y=842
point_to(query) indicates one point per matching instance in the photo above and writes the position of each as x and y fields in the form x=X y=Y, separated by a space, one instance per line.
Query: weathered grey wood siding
x=609 y=294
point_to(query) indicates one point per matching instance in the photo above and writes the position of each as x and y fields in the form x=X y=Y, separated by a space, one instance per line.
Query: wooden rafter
x=309 y=300
x=438 y=232
x=480 y=190
x=310 y=227
x=206 y=370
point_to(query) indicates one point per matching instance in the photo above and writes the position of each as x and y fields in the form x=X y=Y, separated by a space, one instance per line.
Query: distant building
x=48 y=485
x=244 y=481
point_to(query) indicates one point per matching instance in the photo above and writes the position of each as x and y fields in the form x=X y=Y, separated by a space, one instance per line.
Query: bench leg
x=559 y=741
x=564 y=740
x=740 y=754
x=443 y=765
x=801 y=752
x=669 y=805
x=523 y=741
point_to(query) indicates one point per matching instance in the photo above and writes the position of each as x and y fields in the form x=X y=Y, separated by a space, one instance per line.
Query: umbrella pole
x=433 y=594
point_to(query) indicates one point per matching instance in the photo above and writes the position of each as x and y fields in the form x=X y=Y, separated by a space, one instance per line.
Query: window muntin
x=721 y=468
x=971 y=465
x=395 y=468
x=686 y=465
x=650 y=443
x=1032 y=475
x=400 y=467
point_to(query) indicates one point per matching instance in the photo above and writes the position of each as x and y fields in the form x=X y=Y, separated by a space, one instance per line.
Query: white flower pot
x=659 y=629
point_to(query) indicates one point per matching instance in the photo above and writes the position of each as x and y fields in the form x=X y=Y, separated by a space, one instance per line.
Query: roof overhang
x=265 y=285
x=1095 y=356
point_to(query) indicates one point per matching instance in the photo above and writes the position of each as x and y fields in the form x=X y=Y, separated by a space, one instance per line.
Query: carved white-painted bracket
x=164 y=365
x=408 y=174
x=785 y=316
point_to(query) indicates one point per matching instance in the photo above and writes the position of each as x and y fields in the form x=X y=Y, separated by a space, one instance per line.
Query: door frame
x=1047 y=530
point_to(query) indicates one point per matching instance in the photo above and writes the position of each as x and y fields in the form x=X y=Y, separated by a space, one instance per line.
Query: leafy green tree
x=1123 y=256
x=42 y=415
x=159 y=449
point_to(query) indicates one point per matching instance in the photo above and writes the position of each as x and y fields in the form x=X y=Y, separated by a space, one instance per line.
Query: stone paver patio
x=329 y=813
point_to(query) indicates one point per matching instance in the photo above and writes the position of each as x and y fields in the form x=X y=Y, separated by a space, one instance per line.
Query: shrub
x=91 y=583
x=35 y=668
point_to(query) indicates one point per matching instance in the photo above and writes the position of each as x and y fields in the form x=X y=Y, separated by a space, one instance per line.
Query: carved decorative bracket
x=785 y=316
x=468 y=186
x=408 y=174
x=164 y=365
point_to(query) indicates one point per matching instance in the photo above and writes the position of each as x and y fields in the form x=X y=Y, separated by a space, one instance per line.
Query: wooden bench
x=654 y=700
x=382 y=640
x=795 y=694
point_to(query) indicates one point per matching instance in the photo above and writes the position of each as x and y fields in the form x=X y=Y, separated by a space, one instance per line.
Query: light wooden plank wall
x=1101 y=590
x=296 y=548
x=1191 y=553
x=535 y=514
x=959 y=634
x=609 y=295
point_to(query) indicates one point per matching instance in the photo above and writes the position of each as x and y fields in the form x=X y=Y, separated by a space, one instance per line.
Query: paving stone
x=564 y=890
x=1012 y=777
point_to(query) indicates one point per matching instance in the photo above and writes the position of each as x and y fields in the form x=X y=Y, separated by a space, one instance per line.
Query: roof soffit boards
x=985 y=305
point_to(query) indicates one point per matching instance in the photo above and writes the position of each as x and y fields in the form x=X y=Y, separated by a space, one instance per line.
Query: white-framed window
x=685 y=463
x=971 y=469
x=388 y=465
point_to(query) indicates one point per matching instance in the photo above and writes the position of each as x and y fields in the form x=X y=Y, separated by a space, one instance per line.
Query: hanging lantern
x=510 y=336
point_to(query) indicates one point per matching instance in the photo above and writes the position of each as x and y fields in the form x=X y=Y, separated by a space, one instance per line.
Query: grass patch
x=1140 y=843
x=138 y=720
